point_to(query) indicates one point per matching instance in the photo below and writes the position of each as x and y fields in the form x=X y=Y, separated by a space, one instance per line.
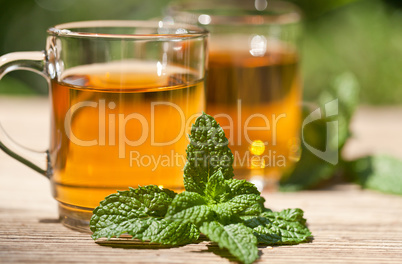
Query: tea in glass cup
x=253 y=82
x=123 y=96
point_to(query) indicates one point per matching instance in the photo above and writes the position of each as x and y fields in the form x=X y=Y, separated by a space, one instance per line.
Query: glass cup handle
x=32 y=61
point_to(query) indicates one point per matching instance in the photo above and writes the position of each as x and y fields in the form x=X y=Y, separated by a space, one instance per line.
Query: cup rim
x=74 y=29
x=265 y=15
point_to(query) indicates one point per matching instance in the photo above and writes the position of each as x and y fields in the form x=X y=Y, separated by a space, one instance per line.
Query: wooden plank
x=349 y=225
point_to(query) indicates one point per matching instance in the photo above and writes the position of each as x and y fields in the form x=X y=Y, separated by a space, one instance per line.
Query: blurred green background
x=359 y=36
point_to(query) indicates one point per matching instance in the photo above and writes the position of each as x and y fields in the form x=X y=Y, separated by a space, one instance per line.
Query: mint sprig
x=228 y=211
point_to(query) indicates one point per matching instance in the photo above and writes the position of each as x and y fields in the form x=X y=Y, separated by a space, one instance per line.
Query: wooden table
x=349 y=225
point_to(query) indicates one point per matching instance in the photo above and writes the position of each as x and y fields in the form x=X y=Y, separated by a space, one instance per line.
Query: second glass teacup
x=253 y=81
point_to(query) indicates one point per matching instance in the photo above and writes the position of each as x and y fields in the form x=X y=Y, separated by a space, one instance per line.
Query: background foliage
x=363 y=37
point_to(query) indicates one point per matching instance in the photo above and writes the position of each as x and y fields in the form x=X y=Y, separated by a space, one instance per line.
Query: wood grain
x=349 y=225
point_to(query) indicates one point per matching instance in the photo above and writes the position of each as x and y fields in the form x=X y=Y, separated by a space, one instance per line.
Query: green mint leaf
x=238 y=239
x=189 y=207
x=168 y=233
x=311 y=170
x=244 y=204
x=238 y=187
x=246 y=191
x=207 y=153
x=285 y=227
x=139 y=212
x=216 y=188
x=224 y=200
x=242 y=198
x=151 y=229
x=262 y=230
x=293 y=215
x=277 y=231
x=379 y=172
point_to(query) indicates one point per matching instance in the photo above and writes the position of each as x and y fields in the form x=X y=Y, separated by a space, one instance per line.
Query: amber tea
x=115 y=128
x=256 y=101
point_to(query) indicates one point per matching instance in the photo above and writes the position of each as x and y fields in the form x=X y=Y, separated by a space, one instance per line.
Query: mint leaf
x=293 y=215
x=380 y=172
x=168 y=233
x=207 y=153
x=189 y=207
x=220 y=202
x=277 y=231
x=285 y=227
x=244 y=204
x=236 y=238
x=216 y=189
x=242 y=198
x=139 y=212
x=237 y=187
x=261 y=227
